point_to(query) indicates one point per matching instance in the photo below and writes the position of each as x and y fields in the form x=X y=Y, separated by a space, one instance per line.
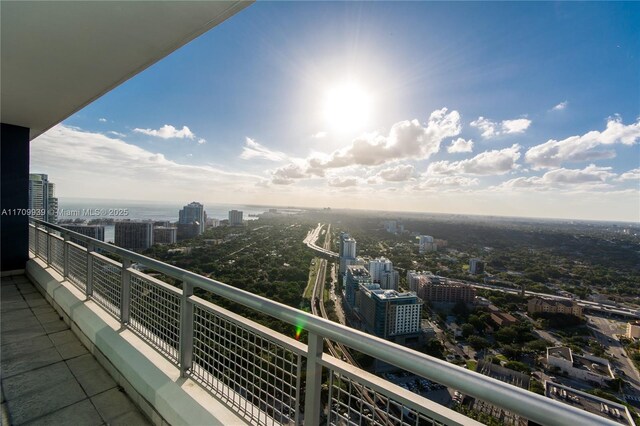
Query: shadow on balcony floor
x=48 y=376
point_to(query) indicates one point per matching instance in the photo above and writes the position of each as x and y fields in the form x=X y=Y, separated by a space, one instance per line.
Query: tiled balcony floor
x=48 y=377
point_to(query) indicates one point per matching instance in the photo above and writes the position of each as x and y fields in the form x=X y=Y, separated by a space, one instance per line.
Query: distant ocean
x=88 y=209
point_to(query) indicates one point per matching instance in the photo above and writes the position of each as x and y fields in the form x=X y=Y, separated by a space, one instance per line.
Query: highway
x=311 y=239
x=609 y=309
x=337 y=350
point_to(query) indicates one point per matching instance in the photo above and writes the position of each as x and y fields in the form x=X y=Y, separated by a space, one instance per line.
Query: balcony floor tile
x=80 y=413
x=48 y=376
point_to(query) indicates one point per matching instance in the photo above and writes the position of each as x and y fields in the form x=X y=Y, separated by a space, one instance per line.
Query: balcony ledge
x=149 y=379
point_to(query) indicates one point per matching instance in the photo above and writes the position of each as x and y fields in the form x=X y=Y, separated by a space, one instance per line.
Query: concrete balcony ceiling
x=57 y=57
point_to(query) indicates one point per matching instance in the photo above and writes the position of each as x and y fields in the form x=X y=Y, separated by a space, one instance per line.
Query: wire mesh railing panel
x=57 y=254
x=107 y=282
x=77 y=264
x=254 y=374
x=42 y=245
x=354 y=403
x=155 y=315
x=32 y=238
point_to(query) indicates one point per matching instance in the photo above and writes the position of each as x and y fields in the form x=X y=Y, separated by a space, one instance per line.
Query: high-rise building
x=391 y=226
x=235 y=218
x=193 y=213
x=347 y=252
x=187 y=230
x=382 y=272
x=476 y=266
x=387 y=313
x=134 y=235
x=416 y=279
x=93 y=231
x=165 y=234
x=426 y=244
x=43 y=204
x=355 y=276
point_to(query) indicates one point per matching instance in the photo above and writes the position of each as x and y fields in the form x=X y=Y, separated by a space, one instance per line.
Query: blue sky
x=518 y=109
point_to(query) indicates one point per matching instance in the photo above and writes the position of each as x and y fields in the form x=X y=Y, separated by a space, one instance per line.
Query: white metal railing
x=258 y=371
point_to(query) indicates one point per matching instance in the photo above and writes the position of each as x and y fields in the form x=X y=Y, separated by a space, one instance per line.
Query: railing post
x=298 y=419
x=36 y=238
x=65 y=255
x=125 y=296
x=90 y=249
x=186 y=329
x=48 y=237
x=312 y=403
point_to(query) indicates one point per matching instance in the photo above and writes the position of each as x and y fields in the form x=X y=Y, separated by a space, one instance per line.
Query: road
x=312 y=237
x=605 y=330
x=337 y=350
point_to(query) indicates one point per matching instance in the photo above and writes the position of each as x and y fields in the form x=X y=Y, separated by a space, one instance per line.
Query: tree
x=478 y=343
x=460 y=310
x=467 y=330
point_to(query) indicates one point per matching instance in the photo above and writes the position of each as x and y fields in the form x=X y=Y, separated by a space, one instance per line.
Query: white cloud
x=114 y=133
x=496 y=162
x=202 y=141
x=554 y=153
x=630 y=175
x=438 y=183
x=492 y=129
x=460 y=145
x=287 y=174
x=342 y=182
x=102 y=120
x=253 y=149
x=168 y=132
x=515 y=126
x=399 y=173
x=561 y=106
x=319 y=135
x=406 y=139
x=115 y=169
x=591 y=177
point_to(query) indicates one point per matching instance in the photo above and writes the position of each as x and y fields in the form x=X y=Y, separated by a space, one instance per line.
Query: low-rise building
x=503 y=318
x=552 y=306
x=633 y=330
x=436 y=289
x=584 y=367
x=590 y=403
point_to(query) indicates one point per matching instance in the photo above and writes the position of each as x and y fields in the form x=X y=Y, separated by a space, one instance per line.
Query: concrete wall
x=14 y=193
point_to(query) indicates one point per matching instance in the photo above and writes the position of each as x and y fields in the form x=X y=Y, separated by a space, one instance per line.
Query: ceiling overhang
x=57 y=57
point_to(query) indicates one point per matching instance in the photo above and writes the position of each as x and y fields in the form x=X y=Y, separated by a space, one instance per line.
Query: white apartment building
x=382 y=272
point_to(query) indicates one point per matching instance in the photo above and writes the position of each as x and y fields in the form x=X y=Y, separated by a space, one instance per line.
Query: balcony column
x=14 y=196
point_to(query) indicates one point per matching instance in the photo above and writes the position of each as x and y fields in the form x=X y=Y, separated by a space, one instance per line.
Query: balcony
x=185 y=360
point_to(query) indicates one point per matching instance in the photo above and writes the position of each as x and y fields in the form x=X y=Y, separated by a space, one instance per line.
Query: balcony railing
x=258 y=371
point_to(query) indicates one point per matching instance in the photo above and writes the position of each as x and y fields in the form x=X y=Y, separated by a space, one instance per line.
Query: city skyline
x=509 y=109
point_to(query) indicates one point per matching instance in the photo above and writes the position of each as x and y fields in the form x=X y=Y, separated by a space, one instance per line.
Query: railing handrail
x=511 y=398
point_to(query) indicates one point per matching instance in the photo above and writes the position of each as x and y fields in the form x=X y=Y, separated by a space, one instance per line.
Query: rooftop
x=560 y=352
x=590 y=403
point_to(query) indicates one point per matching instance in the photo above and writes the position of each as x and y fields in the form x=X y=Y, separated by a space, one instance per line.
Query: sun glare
x=347 y=107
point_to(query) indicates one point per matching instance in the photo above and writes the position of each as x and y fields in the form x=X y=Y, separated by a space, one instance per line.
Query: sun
x=347 y=107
